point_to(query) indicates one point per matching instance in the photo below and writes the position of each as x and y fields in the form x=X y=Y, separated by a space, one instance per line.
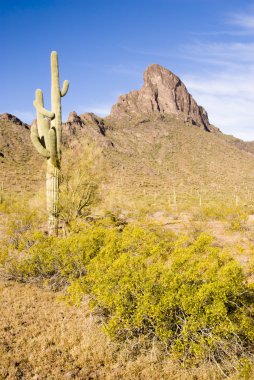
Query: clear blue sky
x=105 y=45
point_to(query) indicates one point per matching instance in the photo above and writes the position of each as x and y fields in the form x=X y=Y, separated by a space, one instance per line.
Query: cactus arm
x=43 y=111
x=43 y=124
x=52 y=145
x=37 y=143
x=40 y=117
x=65 y=88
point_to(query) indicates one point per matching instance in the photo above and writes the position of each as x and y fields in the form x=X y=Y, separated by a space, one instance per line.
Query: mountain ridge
x=149 y=151
x=163 y=92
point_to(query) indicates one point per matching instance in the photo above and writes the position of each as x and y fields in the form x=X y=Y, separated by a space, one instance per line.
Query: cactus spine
x=46 y=135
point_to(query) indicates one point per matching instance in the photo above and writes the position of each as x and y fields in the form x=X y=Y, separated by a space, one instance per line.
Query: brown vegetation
x=42 y=338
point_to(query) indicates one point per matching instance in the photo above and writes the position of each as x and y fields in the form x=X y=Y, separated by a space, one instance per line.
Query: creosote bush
x=57 y=259
x=20 y=224
x=189 y=295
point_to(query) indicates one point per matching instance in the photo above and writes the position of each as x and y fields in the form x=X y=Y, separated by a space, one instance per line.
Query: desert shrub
x=238 y=220
x=145 y=282
x=80 y=188
x=20 y=224
x=219 y=211
x=190 y=296
x=6 y=202
x=19 y=227
x=59 y=258
x=236 y=216
x=215 y=211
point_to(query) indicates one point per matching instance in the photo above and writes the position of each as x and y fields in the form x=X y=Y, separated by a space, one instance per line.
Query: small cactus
x=46 y=135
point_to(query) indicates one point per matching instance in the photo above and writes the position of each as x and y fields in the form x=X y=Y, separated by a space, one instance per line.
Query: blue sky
x=104 y=47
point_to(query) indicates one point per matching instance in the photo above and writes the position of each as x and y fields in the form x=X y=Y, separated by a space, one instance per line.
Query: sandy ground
x=43 y=338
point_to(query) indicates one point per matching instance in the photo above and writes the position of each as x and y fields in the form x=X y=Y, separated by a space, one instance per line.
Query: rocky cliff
x=87 y=125
x=163 y=93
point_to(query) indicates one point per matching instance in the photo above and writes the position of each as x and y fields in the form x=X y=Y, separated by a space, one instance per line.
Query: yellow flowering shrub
x=190 y=295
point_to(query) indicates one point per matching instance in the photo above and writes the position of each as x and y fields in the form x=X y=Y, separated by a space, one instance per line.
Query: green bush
x=62 y=258
x=20 y=227
x=223 y=212
x=190 y=295
x=238 y=220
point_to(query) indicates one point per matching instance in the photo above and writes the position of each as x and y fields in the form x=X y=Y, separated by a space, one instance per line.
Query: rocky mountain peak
x=13 y=119
x=73 y=118
x=87 y=124
x=163 y=93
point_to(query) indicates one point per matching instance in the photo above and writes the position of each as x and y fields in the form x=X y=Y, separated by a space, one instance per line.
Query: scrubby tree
x=80 y=188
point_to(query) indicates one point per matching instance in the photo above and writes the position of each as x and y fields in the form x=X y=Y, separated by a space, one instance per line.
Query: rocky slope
x=85 y=125
x=20 y=166
x=156 y=142
x=163 y=93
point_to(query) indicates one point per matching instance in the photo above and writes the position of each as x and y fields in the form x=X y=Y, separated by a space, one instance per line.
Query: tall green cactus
x=46 y=135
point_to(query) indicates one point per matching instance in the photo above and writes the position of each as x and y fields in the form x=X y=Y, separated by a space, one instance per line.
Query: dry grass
x=42 y=338
x=162 y=164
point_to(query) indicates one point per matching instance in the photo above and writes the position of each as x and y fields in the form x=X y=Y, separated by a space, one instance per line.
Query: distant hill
x=20 y=165
x=159 y=143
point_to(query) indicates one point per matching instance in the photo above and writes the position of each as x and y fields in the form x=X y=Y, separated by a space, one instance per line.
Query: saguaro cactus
x=46 y=135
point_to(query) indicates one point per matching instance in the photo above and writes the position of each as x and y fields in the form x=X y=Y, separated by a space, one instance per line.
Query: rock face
x=87 y=124
x=7 y=117
x=163 y=93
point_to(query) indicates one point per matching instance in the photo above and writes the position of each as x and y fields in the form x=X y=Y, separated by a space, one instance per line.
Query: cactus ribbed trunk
x=56 y=102
x=52 y=190
x=46 y=135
